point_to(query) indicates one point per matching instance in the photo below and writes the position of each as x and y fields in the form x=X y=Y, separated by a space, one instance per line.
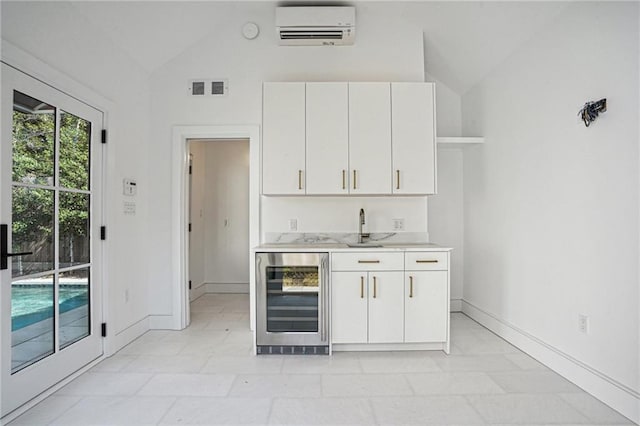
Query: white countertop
x=341 y=247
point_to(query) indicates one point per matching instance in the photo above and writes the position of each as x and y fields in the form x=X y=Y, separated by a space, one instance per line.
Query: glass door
x=50 y=212
x=292 y=298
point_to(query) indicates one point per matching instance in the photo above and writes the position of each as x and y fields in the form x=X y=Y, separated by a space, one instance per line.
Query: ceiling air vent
x=208 y=87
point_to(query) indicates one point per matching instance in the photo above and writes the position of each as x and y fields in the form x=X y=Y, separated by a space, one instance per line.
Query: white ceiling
x=463 y=40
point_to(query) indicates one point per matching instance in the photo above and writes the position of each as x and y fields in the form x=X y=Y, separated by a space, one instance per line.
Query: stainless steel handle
x=368 y=261
x=397 y=179
x=324 y=289
x=427 y=261
x=375 y=282
x=344 y=179
x=354 y=179
x=299 y=179
x=410 y=286
x=361 y=287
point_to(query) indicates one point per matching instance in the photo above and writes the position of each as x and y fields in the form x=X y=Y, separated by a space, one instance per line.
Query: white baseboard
x=227 y=287
x=613 y=393
x=124 y=337
x=455 y=305
x=161 y=322
x=197 y=292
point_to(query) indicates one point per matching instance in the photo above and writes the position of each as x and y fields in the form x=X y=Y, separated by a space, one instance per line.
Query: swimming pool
x=32 y=303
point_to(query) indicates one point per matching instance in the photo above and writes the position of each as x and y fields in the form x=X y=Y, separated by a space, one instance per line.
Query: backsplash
x=343 y=238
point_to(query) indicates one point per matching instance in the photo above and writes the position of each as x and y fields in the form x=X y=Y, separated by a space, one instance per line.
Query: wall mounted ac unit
x=316 y=25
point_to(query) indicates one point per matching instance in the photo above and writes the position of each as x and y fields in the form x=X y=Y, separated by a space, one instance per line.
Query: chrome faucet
x=361 y=236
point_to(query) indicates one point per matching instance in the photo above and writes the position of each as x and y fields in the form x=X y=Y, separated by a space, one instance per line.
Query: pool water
x=34 y=303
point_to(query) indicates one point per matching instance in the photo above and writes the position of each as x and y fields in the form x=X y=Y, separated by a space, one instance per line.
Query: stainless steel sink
x=364 y=245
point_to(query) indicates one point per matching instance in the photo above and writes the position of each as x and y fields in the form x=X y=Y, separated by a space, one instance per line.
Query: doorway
x=218 y=215
x=50 y=211
x=180 y=213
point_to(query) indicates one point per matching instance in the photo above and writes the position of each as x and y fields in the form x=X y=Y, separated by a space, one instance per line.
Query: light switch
x=129 y=208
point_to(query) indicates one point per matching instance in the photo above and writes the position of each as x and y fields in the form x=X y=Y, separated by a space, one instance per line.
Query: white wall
x=448 y=109
x=226 y=212
x=551 y=207
x=395 y=54
x=445 y=215
x=58 y=35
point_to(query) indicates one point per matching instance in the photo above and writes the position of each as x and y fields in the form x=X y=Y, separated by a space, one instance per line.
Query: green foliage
x=33 y=162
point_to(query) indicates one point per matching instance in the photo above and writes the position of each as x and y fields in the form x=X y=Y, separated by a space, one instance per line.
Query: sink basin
x=364 y=245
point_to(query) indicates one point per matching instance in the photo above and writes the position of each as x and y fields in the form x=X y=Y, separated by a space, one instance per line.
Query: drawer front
x=367 y=261
x=426 y=261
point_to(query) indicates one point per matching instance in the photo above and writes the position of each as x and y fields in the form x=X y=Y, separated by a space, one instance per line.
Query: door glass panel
x=292 y=298
x=74 y=228
x=75 y=136
x=32 y=321
x=74 y=306
x=32 y=230
x=34 y=127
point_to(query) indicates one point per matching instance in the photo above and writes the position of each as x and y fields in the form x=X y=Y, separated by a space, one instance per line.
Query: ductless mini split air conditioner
x=316 y=25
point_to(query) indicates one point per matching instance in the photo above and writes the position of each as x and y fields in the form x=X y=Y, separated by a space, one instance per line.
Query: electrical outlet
x=398 y=224
x=293 y=224
x=583 y=323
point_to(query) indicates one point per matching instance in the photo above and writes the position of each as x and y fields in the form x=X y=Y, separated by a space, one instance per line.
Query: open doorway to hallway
x=218 y=216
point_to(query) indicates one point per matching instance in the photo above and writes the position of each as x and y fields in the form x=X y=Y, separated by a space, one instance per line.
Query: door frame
x=24 y=62
x=180 y=213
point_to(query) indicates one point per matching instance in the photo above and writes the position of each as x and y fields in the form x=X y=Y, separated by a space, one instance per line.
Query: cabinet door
x=327 y=138
x=386 y=307
x=283 y=138
x=370 y=138
x=413 y=138
x=425 y=307
x=349 y=307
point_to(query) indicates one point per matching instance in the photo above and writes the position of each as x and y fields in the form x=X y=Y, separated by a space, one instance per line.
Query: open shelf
x=459 y=141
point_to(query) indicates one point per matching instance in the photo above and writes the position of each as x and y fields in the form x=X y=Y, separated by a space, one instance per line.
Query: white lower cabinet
x=405 y=307
x=349 y=294
x=426 y=306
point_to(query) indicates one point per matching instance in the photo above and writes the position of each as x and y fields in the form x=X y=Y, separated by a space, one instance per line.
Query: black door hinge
x=103 y=232
x=190 y=169
x=189 y=227
x=104 y=329
x=104 y=135
x=189 y=284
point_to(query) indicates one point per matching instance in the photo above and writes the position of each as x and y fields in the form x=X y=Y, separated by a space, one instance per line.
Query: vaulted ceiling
x=463 y=41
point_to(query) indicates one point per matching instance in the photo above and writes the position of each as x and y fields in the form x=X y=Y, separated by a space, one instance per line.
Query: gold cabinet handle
x=374 y=287
x=397 y=179
x=426 y=261
x=354 y=179
x=344 y=179
x=368 y=261
x=299 y=179
x=410 y=286
x=361 y=287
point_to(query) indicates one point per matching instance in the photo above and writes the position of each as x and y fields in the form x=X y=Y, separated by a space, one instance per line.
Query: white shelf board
x=459 y=141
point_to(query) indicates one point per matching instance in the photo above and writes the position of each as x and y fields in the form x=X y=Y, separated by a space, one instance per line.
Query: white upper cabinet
x=335 y=138
x=327 y=118
x=413 y=138
x=283 y=139
x=370 y=138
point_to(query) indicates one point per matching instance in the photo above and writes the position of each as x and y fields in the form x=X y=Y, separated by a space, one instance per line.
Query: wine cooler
x=292 y=303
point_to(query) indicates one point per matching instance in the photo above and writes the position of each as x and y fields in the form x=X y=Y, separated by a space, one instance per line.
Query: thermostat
x=129 y=187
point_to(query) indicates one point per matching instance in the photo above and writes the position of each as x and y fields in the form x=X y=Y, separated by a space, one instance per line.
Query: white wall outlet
x=398 y=224
x=293 y=224
x=583 y=323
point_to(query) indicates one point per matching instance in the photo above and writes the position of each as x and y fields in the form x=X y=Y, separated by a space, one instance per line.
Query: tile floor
x=207 y=375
